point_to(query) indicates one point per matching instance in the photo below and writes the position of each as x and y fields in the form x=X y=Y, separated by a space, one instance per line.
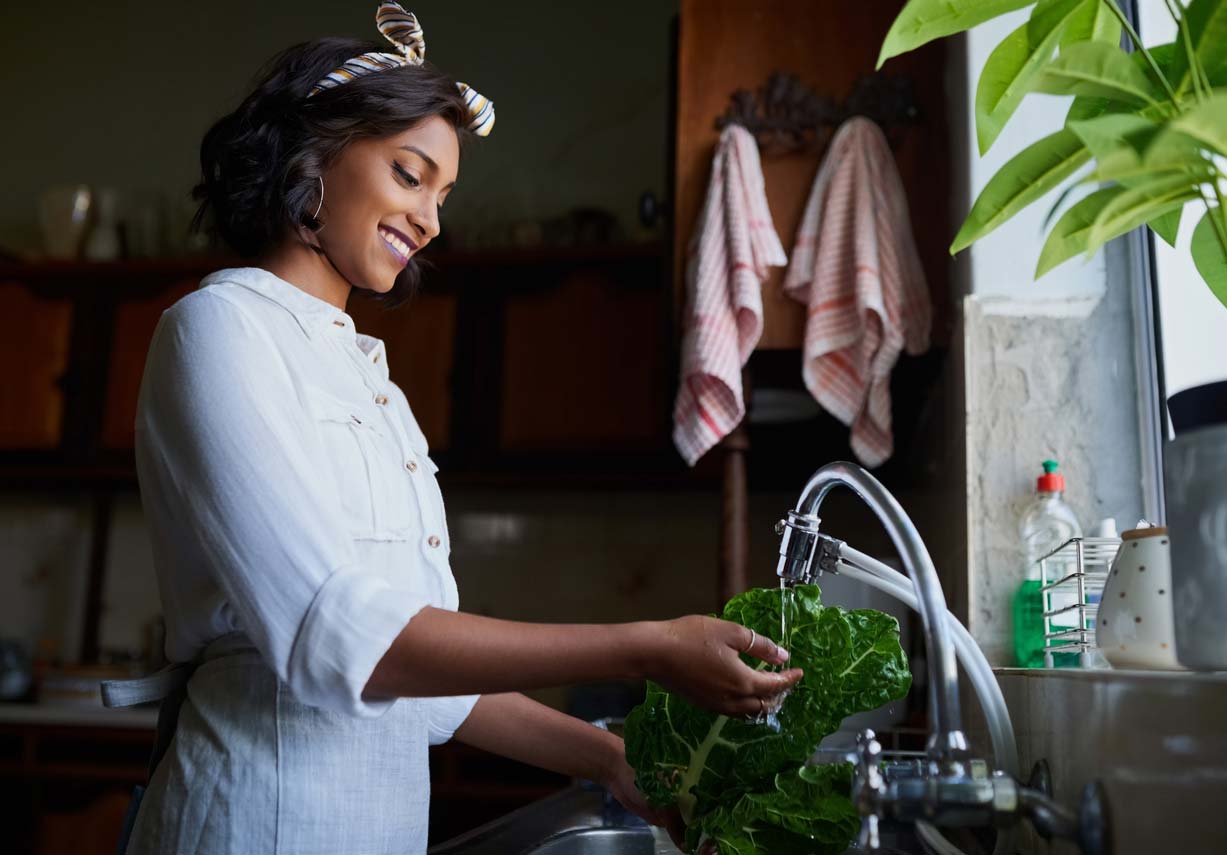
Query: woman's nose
x=426 y=222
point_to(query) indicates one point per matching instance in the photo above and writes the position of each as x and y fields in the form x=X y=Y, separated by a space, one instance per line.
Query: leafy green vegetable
x=807 y=811
x=726 y=775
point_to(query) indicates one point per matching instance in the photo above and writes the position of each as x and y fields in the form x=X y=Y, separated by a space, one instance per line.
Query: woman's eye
x=405 y=176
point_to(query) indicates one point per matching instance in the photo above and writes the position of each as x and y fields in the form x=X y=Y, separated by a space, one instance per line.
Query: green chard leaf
x=716 y=768
x=922 y=21
x=807 y=811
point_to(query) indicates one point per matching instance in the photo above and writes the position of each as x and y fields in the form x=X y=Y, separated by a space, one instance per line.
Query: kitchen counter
x=78 y=715
x=1154 y=738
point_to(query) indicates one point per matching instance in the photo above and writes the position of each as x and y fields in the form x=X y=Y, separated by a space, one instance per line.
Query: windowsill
x=1111 y=675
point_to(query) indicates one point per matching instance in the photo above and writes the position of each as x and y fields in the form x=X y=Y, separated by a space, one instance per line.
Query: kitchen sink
x=585 y=820
x=601 y=841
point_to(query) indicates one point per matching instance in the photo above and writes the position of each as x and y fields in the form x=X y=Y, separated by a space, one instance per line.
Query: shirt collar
x=316 y=317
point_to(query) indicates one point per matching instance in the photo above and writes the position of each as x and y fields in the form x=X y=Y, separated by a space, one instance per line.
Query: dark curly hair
x=260 y=164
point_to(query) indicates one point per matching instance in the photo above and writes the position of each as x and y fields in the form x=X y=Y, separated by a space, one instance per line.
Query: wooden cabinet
x=551 y=364
x=585 y=366
x=135 y=321
x=72 y=369
x=34 y=355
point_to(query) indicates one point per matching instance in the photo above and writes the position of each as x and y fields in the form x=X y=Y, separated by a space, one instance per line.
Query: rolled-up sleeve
x=225 y=444
x=445 y=715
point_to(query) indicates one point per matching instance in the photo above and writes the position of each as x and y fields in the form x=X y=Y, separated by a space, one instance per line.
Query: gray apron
x=241 y=766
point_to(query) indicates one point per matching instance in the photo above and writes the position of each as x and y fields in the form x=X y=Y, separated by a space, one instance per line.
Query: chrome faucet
x=952 y=788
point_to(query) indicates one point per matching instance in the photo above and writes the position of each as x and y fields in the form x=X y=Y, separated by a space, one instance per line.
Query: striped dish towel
x=733 y=245
x=854 y=265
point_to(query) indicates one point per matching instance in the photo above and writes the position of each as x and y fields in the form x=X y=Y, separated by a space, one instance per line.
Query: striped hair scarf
x=402 y=29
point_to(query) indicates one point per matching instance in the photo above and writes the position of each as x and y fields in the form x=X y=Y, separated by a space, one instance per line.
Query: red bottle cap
x=1050 y=481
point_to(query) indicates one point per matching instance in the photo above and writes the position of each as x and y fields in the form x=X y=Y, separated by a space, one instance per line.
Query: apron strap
x=142 y=690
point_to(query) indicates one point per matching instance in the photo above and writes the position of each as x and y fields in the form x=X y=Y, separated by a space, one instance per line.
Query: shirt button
x=411 y=466
x=338 y=323
x=381 y=399
x=434 y=541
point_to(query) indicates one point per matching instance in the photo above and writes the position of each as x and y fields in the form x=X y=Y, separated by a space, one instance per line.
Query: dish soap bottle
x=1046 y=523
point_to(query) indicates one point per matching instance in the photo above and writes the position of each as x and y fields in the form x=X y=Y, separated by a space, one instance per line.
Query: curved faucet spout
x=947 y=744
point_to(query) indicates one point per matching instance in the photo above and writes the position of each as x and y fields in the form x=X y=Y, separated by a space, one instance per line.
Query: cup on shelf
x=1135 y=627
x=64 y=215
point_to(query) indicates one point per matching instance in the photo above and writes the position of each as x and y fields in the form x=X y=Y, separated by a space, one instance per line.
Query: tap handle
x=868 y=789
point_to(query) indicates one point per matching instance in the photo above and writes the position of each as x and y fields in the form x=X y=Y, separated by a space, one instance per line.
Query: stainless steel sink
x=600 y=841
x=581 y=820
x=585 y=820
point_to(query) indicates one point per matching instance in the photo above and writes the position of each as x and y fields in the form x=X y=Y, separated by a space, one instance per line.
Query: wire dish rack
x=1072 y=577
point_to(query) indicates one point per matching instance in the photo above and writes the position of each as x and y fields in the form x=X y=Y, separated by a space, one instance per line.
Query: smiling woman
x=298 y=531
x=375 y=157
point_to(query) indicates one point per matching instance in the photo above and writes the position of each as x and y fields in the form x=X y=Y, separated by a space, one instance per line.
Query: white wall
x=121 y=96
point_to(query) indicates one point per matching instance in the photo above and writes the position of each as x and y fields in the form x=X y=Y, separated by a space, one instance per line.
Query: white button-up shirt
x=288 y=490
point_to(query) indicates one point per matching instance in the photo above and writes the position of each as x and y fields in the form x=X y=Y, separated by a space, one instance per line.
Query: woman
x=298 y=530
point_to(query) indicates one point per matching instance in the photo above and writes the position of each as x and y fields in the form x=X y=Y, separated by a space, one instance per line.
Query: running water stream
x=770 y=716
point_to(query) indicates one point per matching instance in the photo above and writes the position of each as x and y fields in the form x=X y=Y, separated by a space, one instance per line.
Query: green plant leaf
x=1208 y=255
x=1108 y=133
x=1010 y=68
x=1140 y=204
x=1072 y=233
x=1093 y=22
x=922 y=21
x=1206 y=123
x=1092 y=68
x=1086 y=107
x=1025 y=177
x=704 y=762
x=1167 y=226
x=1207 y=20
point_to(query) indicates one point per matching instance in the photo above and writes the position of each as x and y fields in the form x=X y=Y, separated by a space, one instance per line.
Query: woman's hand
x=698 y=659
x=619 y=780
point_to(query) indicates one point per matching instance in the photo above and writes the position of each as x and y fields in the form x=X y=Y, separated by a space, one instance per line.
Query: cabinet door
x=135 y=321
x=420 y=341
x=585 y=365
x=33 y=358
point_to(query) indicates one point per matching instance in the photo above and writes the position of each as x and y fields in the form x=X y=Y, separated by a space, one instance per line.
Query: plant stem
x=1141 y=48
x=1217 y=222
x=1201 y=90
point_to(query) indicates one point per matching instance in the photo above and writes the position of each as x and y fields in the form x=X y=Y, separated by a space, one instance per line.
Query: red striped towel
x=854 y=264
x=733 y=245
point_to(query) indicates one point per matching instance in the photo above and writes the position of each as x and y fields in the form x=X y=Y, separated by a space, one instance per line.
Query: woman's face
x=382 y=199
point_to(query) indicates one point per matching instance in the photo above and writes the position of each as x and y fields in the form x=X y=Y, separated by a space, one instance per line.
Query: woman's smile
x=398 y=244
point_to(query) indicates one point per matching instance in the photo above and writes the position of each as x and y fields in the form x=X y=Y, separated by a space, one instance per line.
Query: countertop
x=78 y=715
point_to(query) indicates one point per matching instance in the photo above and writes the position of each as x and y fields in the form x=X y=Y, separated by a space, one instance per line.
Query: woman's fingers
x=762 y=647
x=768 y=684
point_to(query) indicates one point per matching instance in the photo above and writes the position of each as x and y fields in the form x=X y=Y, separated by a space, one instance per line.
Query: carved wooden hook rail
x=787 y=116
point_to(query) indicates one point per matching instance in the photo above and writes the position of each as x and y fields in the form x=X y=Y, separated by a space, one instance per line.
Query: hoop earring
x=320 y=206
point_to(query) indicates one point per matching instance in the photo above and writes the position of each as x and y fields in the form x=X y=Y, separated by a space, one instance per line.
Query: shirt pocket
x=364 y=457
